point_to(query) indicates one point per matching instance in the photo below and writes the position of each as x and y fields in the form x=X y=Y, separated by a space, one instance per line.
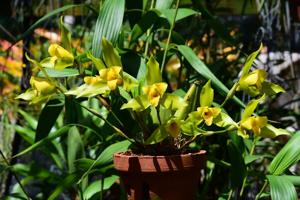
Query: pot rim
x=168 y=163
x=122 y=154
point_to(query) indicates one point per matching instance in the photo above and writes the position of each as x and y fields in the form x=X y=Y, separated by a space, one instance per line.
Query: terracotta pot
x=174 y=177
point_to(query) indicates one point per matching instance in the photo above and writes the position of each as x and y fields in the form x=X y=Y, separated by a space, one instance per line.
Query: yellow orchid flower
x=208 y=114
x=155 y=92
x=60 y=57
x=173 y=127
x=112 y=76
x=252 y=83
x=90 y=80
x=42 y=86
x=254 y=123
x=40 y=92
x=59 y=52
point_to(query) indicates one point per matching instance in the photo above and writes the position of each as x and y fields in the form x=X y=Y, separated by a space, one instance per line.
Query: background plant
x=225 y=154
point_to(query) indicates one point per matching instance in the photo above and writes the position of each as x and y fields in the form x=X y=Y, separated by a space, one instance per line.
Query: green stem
x=15 y=175
x=51 y=80
x=262 y=190
x=140 y=121
x=251 y=153
x=230 y=194
x=209 y=178
x=148 y=33
x=169 y=37
x=108 y=107
x=116 y=117
x=243 y=186
x=120 y=132
x=253 y=145
x=230 y=94
x=208 y=133
x=221 y=163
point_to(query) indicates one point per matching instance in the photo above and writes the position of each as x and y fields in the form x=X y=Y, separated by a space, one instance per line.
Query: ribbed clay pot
x=174 y=177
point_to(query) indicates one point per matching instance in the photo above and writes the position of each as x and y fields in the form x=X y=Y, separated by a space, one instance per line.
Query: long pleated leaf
x=294 y=179
x=75 y=147
x=281 y=188
x=204 y=71
x=106 y=156
x=32 y=122
x=48 y=118
x=96 y=186
x=67 y=182
x=287 y=156
x=108 y=24
x=163 y=4
x=44 y=141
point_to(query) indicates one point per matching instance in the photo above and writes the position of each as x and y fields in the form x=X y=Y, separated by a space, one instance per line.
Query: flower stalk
x=169 y=37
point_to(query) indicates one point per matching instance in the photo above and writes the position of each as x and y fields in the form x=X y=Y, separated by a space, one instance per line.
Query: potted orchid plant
x=160 y=124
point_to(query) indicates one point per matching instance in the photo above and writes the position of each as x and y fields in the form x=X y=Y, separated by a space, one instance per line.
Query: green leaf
x=26 y=133
x=106 y=156
x=172 y=102
x=293 y=179
x=164 y=115
x=153 y=72
x=190 y=127
x=44 y=141
x=157 y=136
x=142 y=71
x=206 y=95
x=65 y=183
x=224 y=120
x=270 y=131
x=147 y=20
x=251 y=158
x=139 y=103
x=32 y=122
x=238 y=168
x=14 y=195
x=48 y=118
x=154 y=115
x=204 y=71
x=124 y=94
x=72 y=112
x=28 y=95
x=96 y=186
x=271 y=88
x=251 y=106
x=45 y=18
x=65 y=36
x=108 y=24
x=190 y=98
x=281 y=188
x=287 y=156
x=17 y=194
x=67 y=72
x=97 y=61
x=181 y=14
x=75 y=147
x=89 y=90
x=129 y=81
x=163 y=4
x=110 y=55
x=250 y=60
